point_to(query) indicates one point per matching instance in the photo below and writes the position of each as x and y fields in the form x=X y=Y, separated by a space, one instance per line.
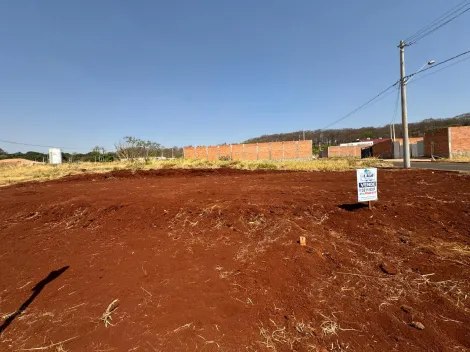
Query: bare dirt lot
x=208 y=260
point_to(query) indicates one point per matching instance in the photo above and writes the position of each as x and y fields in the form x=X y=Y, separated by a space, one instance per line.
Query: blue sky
x=84 y=73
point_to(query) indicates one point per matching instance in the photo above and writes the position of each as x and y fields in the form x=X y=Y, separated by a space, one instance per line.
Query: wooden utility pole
x=404 y=111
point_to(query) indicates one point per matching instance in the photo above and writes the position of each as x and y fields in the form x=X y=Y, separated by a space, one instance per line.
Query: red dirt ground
x=209 y=261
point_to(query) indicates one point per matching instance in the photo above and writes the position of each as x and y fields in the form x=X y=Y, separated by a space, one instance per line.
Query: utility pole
x=304 y=134
x=404 y=112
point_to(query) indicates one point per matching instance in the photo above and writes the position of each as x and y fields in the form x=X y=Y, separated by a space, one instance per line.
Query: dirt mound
x=209 y=260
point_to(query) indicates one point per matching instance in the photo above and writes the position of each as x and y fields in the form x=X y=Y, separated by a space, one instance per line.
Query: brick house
x=447 y=142
x=388 y=149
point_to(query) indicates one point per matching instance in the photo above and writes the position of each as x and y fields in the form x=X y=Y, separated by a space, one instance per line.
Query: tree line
x=346 y=135
x=129 y=148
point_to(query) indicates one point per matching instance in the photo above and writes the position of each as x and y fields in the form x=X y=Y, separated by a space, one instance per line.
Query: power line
x=435 y=29
x=396 y=107
x=441 y=21
x=443 y=68
x=436 y=65
x=38 y=145
x=361 y=107
x=382 y=94
x=382 y=98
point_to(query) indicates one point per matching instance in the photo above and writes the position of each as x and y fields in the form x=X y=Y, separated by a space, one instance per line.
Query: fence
x=252 y=151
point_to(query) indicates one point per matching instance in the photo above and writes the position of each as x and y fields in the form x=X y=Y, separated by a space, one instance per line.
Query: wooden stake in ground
x=303 y=241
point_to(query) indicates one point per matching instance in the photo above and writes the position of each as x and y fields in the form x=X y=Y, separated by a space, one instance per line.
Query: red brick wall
x=440 y=138
x=383 y=149
x=201 y=153
x=338 y=151
x=250 y=152
x=305 y=149
x=225 y=151
x=253 y=151
x=263 y=151
x=188 y=153
x=237 y=152
x=276 y=150
x=213 y=153
x=290 y=150
x=460 y=140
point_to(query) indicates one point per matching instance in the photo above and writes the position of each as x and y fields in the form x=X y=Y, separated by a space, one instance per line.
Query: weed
x=106 y=317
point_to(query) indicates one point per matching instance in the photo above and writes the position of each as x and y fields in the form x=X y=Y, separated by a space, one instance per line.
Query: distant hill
x=345 y=135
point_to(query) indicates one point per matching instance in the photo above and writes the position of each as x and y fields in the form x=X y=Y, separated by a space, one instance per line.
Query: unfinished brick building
x=381 y=148
x=252 y=151
x=447 y=142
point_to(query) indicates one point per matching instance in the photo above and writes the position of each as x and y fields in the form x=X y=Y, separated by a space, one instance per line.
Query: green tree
x=3 y=154
x=132 y=148
x=367 y=134
x=98 y=153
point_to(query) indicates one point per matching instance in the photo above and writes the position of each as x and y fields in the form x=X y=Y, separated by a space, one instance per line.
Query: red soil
x=209 y=260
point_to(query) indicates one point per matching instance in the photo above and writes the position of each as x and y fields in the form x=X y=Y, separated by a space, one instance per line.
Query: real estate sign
x=366 y=184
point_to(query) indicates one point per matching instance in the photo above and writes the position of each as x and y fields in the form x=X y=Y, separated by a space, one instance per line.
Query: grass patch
x=456 y=159
x=11 y=174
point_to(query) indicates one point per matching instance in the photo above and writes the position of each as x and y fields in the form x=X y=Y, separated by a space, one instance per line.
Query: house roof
x=375 y=141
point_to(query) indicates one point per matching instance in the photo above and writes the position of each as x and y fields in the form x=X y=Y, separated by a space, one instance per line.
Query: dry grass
x=456 y=159
x=182 y=327
x=23 y=173
x=273 y=337
x=106 y=317
x=59 y=346
x=461 y=249
x=11 y=174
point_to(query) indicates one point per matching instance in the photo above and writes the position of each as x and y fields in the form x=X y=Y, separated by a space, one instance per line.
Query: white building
x=55 y=156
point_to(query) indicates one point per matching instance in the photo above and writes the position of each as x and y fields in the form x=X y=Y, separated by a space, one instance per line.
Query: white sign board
x=366 y=185
x=55 y=156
